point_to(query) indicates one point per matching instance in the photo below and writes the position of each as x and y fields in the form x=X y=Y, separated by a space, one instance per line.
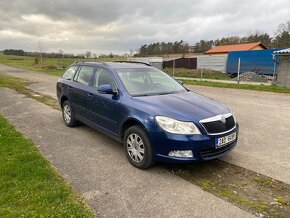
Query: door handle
x=69 y=88
x=90 y=95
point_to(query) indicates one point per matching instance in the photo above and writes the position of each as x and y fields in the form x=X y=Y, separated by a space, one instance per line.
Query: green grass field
x=29 y=186
x=52 y=66
x=195 y=73
x=272 y=88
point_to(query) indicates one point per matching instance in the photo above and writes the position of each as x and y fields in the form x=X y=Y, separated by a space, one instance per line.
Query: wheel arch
x=129 y=123
x=63 y=99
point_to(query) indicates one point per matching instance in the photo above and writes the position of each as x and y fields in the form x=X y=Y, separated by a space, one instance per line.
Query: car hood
x=186 y=106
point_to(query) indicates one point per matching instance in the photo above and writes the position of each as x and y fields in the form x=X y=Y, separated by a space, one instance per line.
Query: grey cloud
x=104 y=26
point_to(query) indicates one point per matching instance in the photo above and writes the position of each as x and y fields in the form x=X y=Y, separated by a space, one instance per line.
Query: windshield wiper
x=166 y=93
x=142 y=95
x=152 y=94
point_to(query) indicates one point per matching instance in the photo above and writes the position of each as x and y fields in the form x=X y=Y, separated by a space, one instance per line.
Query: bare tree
x=88 y=54
x=282 y=38
x=40 y=48
x=131 y=52
x=61 y=52
x=283 y=27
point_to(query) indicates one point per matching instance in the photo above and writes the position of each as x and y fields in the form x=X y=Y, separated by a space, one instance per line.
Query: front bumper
x=202 y=146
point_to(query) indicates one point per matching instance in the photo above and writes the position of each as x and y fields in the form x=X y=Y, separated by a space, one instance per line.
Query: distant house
x=191 y=48
x=224 y=49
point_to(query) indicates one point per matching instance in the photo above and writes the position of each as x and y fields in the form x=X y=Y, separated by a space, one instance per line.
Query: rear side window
x=70 y=72
x=85 y=74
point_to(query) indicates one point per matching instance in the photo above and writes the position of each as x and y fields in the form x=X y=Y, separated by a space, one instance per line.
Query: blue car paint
x=108 y=113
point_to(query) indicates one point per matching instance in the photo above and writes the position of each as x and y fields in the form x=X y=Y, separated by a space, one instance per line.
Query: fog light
x=185 y=153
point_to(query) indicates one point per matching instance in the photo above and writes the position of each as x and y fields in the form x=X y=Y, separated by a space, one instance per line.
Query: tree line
x=60 y=54
x=43 y=54
x=164 y=48
x=281 y=39
x=14 y=52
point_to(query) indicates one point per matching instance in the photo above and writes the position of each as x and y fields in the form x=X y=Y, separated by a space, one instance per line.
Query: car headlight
x=176 y=126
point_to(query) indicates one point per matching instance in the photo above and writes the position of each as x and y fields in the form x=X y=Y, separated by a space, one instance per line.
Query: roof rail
x=133 y=62
x=84 y=61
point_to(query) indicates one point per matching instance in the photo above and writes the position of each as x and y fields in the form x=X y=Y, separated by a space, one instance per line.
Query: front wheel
x=137 y=147
x=67 y=114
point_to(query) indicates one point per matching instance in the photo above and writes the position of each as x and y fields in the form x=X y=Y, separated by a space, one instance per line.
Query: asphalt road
x=96 y=167
x=264 y=118
x=45 y=84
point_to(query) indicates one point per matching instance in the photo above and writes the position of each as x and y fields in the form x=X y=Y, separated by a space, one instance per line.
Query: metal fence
x=188 y=63
x=217 y=63
x=257 y=61
x=154 y=61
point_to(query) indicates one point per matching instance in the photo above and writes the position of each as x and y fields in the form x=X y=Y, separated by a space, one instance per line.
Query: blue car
x=153 y=115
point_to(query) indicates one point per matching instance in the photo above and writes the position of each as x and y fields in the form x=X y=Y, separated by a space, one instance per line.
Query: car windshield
x=148 y=81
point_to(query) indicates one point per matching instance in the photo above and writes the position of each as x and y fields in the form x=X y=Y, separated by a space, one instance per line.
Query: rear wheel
x=138 y=148
x=67 y=114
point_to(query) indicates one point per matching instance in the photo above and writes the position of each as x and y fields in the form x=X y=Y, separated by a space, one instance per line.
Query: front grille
x=214 y=127
x=210 y=153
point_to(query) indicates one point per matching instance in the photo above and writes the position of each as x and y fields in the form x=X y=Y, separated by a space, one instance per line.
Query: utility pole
x=173 y=67
x=201 y=70
x=239 y=66
x=274 y=70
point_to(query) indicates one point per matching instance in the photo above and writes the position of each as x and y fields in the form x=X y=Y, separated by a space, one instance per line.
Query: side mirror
x=107 y=89
x=180 y=82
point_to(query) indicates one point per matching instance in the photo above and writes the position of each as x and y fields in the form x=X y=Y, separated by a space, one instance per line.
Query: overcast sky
x=104 y=26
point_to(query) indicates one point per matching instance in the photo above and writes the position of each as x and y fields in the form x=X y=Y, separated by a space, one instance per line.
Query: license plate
x=220 y=142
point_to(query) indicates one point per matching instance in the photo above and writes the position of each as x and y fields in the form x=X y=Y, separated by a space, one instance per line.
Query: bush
x=36 y=60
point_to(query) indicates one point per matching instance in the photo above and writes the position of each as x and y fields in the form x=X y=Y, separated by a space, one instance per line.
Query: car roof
x=115 y=65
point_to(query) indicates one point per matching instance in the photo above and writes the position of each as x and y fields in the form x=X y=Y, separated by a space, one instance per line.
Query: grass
x=282 y=201
x=244 y=188
x=19 y=85
x=210 y=185
x=271 y=88
x=52 y=66
x=195 y=73
x=29 y=186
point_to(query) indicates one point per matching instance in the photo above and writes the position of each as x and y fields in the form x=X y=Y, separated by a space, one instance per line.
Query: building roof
x=284 y=51
x=236 y=47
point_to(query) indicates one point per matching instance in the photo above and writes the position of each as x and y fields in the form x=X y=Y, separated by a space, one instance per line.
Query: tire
x=138 y=148
x=67 y=114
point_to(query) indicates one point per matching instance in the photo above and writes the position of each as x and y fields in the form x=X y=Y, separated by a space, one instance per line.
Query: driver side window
x=103 y=77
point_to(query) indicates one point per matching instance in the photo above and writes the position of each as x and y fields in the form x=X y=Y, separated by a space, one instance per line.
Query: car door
x=65 y=83
x=105 y=110
x=79 y=91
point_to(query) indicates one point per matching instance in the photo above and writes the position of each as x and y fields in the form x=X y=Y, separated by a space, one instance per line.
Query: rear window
x=70 y=72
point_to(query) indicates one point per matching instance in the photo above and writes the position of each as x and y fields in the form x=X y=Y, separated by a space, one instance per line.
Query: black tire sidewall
x=148 y=156
x=72 y=120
